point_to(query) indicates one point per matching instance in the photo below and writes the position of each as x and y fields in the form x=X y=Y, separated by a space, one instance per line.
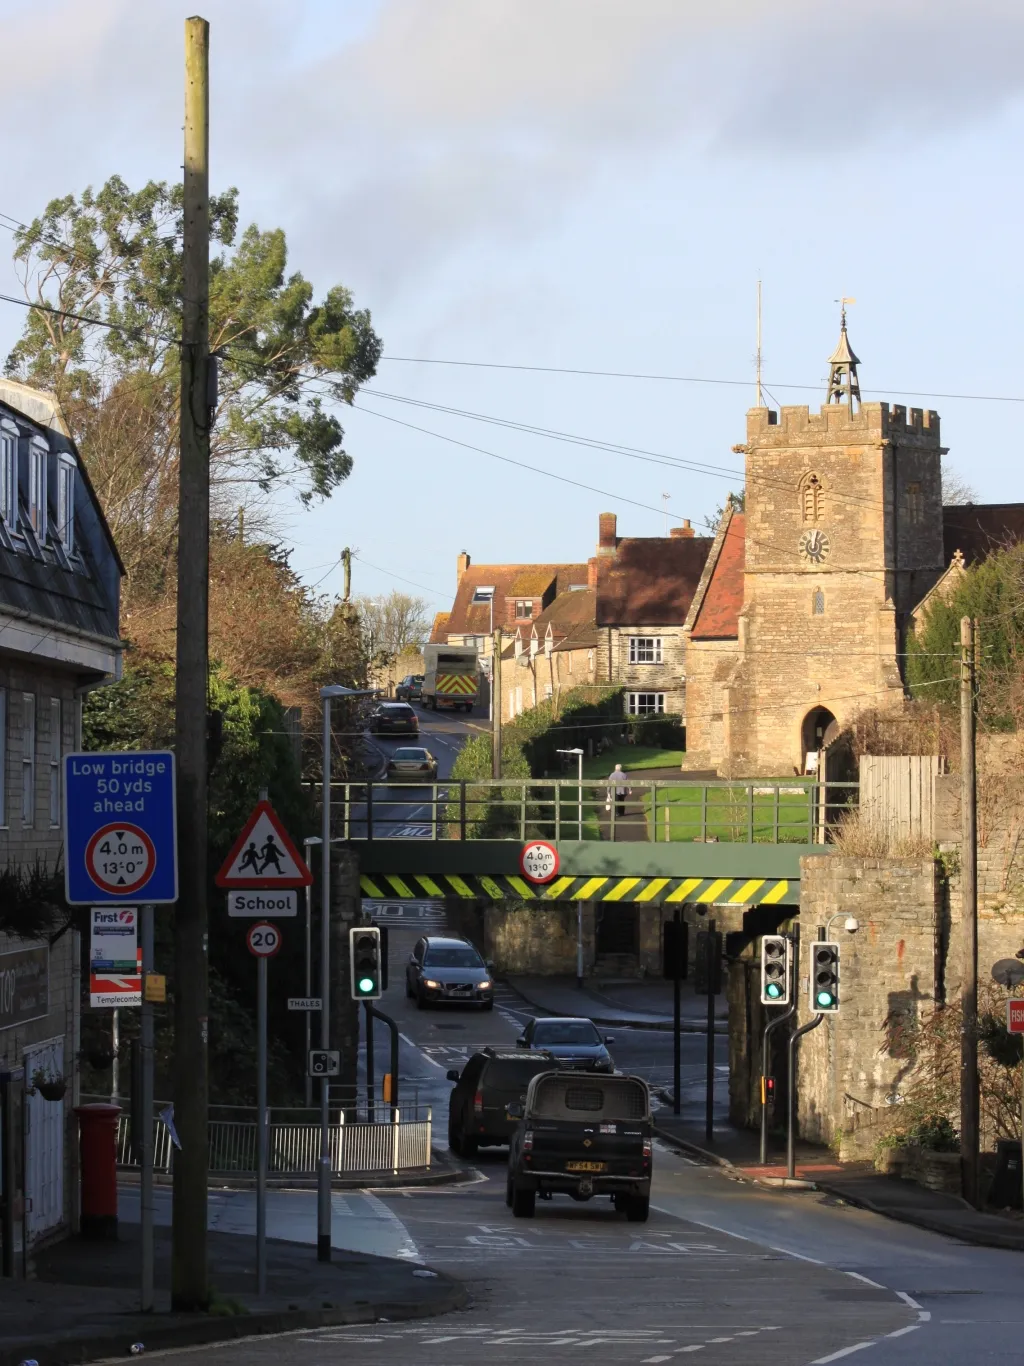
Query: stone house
x=555 y=653
x=60 y=578
x=644 y=589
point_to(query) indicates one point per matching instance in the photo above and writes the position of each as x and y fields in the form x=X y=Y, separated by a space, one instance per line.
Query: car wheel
x=508 y=1192
x=408 y=989
x=470 y=1147
x=454 y=1142
x=638 y=1209
x=523 y=1203
x=421 y=1002
x=488 y=1005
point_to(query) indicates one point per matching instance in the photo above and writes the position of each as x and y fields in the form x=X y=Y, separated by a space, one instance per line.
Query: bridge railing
x=782 y=811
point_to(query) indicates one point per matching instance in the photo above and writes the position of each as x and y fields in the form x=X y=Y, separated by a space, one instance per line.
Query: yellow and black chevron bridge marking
x=460 y=684
x=717 y=891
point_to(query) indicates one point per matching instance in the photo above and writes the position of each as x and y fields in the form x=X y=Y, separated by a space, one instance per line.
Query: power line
x=380 y=570
x=684 y=379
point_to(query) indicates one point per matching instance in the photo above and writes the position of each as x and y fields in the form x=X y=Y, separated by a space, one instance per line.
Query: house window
x=818 y=603
x=66 y=504
x=524 y=608
x=812 y=499
x=915 y=503
x=645 y=703
x=483 y=594
x=28 y=760
x=645 y=649
x=3 y=757
x=37 y=461
x=55 y=746
x=9 y=476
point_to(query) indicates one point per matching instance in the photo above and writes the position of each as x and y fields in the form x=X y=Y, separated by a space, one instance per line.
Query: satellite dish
x=1008 y=972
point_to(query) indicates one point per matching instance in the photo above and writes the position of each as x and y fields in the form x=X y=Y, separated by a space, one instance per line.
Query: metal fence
x=784 y=811
x=398 y=1141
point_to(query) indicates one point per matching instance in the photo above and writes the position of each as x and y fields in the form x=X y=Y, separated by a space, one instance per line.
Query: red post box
x=97 y=1127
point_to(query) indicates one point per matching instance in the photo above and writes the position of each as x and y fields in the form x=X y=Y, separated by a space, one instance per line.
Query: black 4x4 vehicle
x=582 y=1135
x=491 y=1080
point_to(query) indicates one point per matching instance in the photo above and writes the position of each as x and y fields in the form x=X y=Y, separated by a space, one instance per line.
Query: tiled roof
x=510 y=582
x=718 y=616
x=976 y=529
x=572 y=620
x=650 y=581
x=439 y=630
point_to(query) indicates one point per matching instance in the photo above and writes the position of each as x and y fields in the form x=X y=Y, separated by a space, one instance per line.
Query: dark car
x=574 y=1042
x=582 y=1135
x=490 y=1082
x=441 y=969
x=410 y=689
x=394 y=718
x=411 y=764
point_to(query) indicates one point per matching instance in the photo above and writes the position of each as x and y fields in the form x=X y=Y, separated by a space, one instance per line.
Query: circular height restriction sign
x=120 y=858
x=263 y=939
x=539 y=861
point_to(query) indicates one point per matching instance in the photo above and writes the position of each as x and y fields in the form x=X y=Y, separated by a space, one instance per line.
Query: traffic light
x=365 y=961
x=824 y=977
x=707 y=964
x=674 y=949
x=776 y=970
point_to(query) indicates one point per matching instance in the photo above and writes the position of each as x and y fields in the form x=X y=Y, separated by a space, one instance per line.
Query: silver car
x=412 y=764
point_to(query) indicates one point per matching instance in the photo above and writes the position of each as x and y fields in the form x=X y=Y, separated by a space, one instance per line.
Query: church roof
x=717 y=617
x=978 y=529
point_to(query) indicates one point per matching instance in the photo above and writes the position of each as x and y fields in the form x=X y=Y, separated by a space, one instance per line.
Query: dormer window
x=66 y=503
x=38 y=455
x=9 y=475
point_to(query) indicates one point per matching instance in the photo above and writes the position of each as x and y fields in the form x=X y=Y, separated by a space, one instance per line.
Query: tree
x=956 y=492
x=736 y=501
x=114 y=258
x=392 y=625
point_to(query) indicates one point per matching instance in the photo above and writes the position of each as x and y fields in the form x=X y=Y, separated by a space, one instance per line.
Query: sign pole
x=676 y=1012
x=308 y=1097
x=323 y=1171
x=146 y=1109
x=261 y=1130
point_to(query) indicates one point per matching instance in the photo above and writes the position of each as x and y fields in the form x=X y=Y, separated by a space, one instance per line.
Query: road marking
x=433 y=1061
x=900 y=1332
x=798 y=1255
x=866 y=1279
x=908 y=1299
x=408 y=1250
x=846 y=1351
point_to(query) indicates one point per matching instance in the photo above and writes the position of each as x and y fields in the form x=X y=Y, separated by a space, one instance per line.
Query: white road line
x=866 y=1279
x=908 y=1299
x=857 y=1347
x=433 y=1062
x=788 y=1252
x=408 y=1250
x=911 y=1328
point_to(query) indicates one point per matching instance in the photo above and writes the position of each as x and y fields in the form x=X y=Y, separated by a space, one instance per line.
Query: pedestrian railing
x=397 y=1141
x=782 y=811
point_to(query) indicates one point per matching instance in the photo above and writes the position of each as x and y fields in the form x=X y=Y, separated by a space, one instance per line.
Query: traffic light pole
x=371 y=1081
x=791 y=1099
x=773 y=1024
x=676 y=1022
x=709 y=1099
x=372 y=1011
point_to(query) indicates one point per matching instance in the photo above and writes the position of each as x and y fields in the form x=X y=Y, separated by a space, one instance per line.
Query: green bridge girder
x=647 y=873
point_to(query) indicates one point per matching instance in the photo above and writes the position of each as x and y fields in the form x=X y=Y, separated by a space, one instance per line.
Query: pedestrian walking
x=620 y=791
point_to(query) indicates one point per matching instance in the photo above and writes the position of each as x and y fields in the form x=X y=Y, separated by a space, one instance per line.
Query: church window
x=818 y=603
x=915 y=504
x=812 y=499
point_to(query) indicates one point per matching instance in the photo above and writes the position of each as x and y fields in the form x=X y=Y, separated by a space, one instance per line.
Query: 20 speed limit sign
x=263 y=939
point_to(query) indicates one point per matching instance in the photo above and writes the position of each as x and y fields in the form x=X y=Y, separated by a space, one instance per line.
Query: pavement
x=641 y=1003
x=83 y=1304
x=857 y=1183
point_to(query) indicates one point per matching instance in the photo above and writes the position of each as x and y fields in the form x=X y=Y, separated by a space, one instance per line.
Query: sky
x=576 y=185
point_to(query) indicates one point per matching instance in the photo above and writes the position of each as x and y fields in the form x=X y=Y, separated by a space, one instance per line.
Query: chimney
x=607 y=538
x=685 y=530
x=462 y=563
x=592 y=572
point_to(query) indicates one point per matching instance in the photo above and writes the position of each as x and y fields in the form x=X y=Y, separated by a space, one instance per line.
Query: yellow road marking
x=589 y=888
x=746 y=891
x=684 y=889
x=776 y=894
x=620 y=889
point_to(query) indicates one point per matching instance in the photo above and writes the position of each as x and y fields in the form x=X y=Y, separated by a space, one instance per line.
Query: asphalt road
x=410 y=809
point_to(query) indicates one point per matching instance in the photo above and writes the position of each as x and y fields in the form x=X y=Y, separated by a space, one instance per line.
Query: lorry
x=451 y=676
x=581 y=1135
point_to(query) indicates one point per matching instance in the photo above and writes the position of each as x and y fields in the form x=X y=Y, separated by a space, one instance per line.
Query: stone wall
x=667 y=677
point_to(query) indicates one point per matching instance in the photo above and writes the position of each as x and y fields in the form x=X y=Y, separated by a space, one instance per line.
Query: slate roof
x=650 y=581
x=977 y=529
x=717 y=616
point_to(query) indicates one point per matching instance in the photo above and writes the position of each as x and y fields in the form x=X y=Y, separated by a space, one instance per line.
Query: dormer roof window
x=8 y=475
x=38 y=455
x=66 y=503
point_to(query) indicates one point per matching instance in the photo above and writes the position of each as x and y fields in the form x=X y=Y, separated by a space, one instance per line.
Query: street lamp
x=579 y=905
x=308 y=843
x=323 y=1173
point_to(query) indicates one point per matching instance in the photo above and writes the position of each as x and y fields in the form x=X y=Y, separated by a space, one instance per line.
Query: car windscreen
x=406 y=753
x=554 y=1032
x=397 y=709
x=512 y=1074
x=453 y=956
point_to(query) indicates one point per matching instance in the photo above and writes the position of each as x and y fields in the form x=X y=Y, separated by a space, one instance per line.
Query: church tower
x=842 y=538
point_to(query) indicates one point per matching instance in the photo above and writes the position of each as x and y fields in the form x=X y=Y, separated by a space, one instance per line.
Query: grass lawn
x=724 y=813
x=633 y=758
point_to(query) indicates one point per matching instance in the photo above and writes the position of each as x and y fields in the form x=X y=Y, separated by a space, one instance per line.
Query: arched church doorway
x=815 y=735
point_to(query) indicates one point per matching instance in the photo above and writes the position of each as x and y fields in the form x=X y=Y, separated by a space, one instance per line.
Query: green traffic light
x=773 y=989
x=825 y=998
x=366 y=984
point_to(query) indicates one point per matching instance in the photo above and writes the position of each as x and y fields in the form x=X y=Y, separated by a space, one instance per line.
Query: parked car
x=394 y=718
x=490 y=1082
x=574 y=1042
x=582 y=1136
x=410 y=689
x=442 y=969
x=411 y=763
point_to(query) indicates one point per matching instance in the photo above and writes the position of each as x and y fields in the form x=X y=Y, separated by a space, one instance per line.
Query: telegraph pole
x=189 y=1280
x=496 y=704
x=970 y=1102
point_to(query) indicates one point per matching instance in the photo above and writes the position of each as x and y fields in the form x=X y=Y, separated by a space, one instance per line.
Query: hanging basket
x=49 y=1087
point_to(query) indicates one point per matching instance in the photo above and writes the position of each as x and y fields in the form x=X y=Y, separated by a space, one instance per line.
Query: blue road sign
x=120 y=836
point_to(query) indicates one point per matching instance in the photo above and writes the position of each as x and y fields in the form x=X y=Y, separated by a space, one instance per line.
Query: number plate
x=585 y=1166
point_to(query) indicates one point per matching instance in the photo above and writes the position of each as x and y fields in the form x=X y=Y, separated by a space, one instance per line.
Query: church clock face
x=815 y=546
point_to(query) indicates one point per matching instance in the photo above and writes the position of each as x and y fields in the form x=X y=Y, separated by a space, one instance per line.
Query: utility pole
x=189 y=1278
x=346 y=560
x=496 y=704
x=970 y=1102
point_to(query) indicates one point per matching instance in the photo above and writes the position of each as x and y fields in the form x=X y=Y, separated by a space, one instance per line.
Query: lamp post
x=308 y=843
x=323 y=1172
x=579 y=835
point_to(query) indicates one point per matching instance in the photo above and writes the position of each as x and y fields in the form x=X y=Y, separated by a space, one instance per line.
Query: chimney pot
x=685 y=530
x=462 y=563
x=592 y=572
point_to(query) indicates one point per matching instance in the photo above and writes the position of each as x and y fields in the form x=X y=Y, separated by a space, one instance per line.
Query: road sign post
x=263 y=941
x=146 y=1108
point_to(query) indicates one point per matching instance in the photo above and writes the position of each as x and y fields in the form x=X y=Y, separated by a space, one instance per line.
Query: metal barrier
x=785 y=811
x=398 y=1142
